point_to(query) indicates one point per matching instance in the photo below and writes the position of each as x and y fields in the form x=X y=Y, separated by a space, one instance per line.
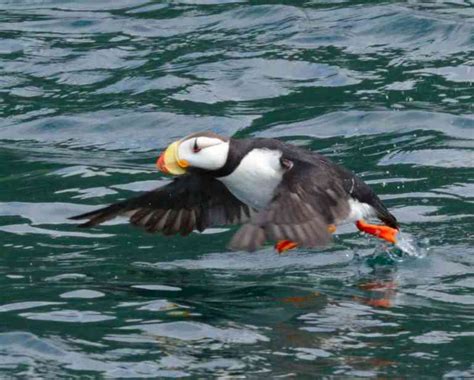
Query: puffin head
x=202 y=150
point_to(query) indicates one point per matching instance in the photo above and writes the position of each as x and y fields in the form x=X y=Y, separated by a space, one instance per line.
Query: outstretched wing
x=306 y=202
x=191 y=202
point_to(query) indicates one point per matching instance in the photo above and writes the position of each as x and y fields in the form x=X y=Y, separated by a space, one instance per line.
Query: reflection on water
x=93 y=91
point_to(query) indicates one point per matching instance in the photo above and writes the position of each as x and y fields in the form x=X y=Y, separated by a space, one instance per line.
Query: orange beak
x=160 y=164
x=169 y=162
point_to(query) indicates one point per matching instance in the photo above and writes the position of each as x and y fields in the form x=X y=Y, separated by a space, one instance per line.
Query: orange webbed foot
x=383 y=232
x=285 y=245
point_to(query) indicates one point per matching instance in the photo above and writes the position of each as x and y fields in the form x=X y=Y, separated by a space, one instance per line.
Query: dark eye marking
x=195 y=147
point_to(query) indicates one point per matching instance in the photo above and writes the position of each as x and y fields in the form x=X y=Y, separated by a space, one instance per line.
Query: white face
x=203 y=152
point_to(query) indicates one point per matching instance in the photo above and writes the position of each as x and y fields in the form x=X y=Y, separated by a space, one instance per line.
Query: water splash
x=408 y=244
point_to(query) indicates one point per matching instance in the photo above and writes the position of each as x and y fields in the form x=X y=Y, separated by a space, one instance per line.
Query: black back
x=328 y=171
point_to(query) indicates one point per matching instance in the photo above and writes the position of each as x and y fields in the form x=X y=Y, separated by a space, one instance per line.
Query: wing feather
x=191 y=202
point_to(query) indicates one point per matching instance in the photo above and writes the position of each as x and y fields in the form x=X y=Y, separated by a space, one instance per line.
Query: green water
x=92 y=91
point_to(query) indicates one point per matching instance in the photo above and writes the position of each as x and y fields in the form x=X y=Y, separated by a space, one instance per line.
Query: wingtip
x=88 y=223
x=75 y=217
x=85 y=215
x=97 y=216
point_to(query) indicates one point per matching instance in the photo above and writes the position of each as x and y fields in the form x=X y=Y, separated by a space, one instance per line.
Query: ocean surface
x=92 y=91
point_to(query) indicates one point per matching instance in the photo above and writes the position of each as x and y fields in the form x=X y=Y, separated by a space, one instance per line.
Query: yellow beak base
x=171 y=161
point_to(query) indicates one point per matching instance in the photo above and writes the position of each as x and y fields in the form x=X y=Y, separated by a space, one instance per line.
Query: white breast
x=255 y=179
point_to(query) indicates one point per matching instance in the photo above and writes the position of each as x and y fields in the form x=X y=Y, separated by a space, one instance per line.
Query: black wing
x=308 y=200
x=191 y=202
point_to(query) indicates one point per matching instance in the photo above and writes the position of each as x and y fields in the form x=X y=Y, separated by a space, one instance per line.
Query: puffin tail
x=385 y=216
x=362 y=192
x=389 y=220
x=101 y=215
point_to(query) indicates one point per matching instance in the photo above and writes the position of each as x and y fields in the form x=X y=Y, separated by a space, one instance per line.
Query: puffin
x=277 y=192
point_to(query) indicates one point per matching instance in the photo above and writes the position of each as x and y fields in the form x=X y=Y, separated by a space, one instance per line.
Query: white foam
x=408 y=244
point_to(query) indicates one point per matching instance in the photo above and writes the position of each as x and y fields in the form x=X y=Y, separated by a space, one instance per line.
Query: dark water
x=91 y=91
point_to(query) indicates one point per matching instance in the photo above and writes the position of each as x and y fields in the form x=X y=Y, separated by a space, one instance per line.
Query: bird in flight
x=277 y=191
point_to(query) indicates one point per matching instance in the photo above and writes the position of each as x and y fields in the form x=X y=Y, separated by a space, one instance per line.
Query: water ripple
x=91 y=92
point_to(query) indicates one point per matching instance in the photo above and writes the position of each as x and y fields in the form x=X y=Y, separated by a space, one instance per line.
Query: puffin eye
x=196 y=149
